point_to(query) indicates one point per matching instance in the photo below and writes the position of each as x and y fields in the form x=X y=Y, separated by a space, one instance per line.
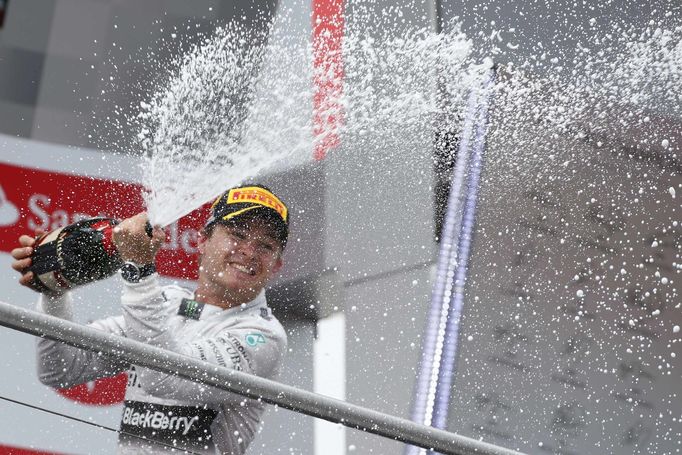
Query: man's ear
x=278 y=264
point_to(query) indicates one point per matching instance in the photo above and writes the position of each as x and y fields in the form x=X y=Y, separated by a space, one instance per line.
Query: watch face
x=130 y=272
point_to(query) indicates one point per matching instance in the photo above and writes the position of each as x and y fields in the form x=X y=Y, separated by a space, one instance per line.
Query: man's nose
x=247 y=247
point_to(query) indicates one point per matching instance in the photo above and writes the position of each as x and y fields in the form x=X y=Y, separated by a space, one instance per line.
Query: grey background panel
x=28 y=24
x=384 y=323
x=56 y=125
x=568 y=342
x=555 y=27
x=63 y=82
x=378 y=208
x=379 y=186
x=17 y=119
x=80 y=29
x=21 y=76
x=281 y=428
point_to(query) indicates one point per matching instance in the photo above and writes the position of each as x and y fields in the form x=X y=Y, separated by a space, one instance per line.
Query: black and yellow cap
x=254 y=200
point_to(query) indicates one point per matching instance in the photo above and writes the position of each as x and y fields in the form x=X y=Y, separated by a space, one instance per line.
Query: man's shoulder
x=263 y=316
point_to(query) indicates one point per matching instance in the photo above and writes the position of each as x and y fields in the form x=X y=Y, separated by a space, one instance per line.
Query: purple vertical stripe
x=432 y=389
x=451 y=341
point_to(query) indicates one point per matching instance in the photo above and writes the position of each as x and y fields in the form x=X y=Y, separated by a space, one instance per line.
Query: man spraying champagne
x=225 y=321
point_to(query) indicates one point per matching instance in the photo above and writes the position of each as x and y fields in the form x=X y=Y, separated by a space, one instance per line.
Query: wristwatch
x=133 y=273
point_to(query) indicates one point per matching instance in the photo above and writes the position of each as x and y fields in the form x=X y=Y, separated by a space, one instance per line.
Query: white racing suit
x=159 y=407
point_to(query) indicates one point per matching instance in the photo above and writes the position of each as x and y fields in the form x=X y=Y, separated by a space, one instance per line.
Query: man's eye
x=267 y=247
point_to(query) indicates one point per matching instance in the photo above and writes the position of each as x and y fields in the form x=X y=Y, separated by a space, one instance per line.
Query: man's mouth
x=244 y=269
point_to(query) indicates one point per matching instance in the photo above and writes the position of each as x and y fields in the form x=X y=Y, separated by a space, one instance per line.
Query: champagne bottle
x=75 y=255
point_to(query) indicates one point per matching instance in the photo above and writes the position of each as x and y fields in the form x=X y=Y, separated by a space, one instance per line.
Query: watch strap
x=147 y=270
x=133 y=273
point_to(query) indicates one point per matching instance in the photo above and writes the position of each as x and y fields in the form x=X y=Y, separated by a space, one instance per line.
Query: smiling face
x=237 y=261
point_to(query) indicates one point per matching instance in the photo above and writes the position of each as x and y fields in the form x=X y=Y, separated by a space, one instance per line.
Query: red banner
x=33 y=199
x=328 y=29
x=10 y=450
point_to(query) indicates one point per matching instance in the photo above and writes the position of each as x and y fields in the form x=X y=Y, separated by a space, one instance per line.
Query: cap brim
x=272 y=217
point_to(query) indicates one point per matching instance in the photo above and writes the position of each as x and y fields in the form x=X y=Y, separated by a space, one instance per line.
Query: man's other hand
x=22 y=258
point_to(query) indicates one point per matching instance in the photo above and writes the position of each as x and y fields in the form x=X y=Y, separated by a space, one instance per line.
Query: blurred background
x=555 y=326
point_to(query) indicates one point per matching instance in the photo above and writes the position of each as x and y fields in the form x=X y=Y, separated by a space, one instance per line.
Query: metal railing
x=251 y=386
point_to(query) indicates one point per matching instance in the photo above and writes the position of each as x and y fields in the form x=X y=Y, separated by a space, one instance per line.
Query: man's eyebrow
x=265 y=236
x=275 y=240
x=272 y=239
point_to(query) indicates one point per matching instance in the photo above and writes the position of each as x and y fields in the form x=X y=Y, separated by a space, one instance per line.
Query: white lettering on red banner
x=35 y=199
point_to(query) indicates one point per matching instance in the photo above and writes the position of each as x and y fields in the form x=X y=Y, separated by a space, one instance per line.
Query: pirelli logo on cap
x=257 y=195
